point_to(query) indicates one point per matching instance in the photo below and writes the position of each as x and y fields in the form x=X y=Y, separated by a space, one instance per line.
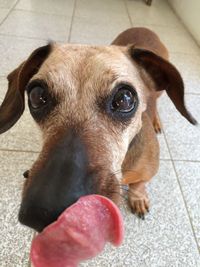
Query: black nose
x=37 y=217
x=39 y=212
x=63 y=178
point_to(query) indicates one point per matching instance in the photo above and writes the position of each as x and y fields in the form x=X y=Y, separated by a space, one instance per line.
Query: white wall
x=189 y=13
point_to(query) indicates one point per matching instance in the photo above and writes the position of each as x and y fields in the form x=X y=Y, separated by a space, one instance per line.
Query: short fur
x=80 y=78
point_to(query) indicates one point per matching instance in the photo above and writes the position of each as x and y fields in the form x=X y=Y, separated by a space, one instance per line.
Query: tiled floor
x=170 y=235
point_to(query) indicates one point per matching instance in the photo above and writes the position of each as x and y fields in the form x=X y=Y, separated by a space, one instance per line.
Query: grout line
x=18 y=150
x=161 y=159
x=11 y=9
x=127 y=10
x=180 y=187
x=188 y=93
x=183 y=53
x=187 y=209
x=181 y=160
x=22 y=36
x=42 y=13
x=72 y=21
x=185 y=160
x=28 y=38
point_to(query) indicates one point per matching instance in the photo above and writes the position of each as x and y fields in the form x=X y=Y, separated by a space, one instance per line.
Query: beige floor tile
x=189 y=66
x=15 y=238
x=164 y=238
x=189 y=177
x=7 y=3
x=101 y=33
x=61 y=7
x=108 y=19
x=102 y=9
x=3 y=14
x=164 y=152
x=3 y=88
x=183 y=138
x=36 y=25
x=24 y=135
x=104 y=5
x=159 y=13
x=14 y=50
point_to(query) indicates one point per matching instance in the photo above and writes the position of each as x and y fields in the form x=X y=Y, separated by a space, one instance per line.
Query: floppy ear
x=165 y=76
x=13 y=104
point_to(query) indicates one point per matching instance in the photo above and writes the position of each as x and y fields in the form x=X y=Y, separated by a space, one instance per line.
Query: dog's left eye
x=124 y=100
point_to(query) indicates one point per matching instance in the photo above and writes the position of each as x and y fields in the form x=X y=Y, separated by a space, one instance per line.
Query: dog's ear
x=13 y=104
x=165 y=76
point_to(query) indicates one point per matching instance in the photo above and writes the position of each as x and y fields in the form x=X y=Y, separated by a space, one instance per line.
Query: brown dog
x=96 y=107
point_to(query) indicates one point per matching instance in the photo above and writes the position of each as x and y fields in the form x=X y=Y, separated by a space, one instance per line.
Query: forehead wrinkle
x=101 y=69
x=96 y=80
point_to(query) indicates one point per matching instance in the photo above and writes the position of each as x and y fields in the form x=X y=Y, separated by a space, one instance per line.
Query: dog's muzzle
x=61 y=180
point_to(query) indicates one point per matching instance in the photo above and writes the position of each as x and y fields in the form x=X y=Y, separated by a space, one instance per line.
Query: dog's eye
x=40 y=100
x=38 y=97
x=124 y=100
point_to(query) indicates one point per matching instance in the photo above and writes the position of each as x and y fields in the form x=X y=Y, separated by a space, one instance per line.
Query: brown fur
x=79 y=77
x=142 y=38
x=145 y=39
x=142 y=159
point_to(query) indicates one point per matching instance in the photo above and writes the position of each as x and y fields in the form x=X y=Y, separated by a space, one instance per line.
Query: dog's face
x=97 y=94
x=88 y=102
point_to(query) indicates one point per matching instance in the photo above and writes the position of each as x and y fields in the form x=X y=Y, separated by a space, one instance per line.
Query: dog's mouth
x=80 y=233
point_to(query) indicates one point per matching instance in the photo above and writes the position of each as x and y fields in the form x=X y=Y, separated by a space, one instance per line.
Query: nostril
x=26 y=174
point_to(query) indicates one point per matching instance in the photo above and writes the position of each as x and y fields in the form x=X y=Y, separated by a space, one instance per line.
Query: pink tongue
x=80 y=233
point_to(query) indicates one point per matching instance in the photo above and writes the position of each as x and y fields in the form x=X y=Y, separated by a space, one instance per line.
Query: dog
x=96 y=108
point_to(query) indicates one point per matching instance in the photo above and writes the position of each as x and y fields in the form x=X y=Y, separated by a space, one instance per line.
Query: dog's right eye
x=123 y=102
x=38 y=97
x=40 y=100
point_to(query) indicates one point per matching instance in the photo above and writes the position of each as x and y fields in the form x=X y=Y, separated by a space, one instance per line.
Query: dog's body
x=143 y=156
x=96 y=107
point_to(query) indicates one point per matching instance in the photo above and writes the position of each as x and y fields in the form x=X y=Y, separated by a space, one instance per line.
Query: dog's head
x=88 y=102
